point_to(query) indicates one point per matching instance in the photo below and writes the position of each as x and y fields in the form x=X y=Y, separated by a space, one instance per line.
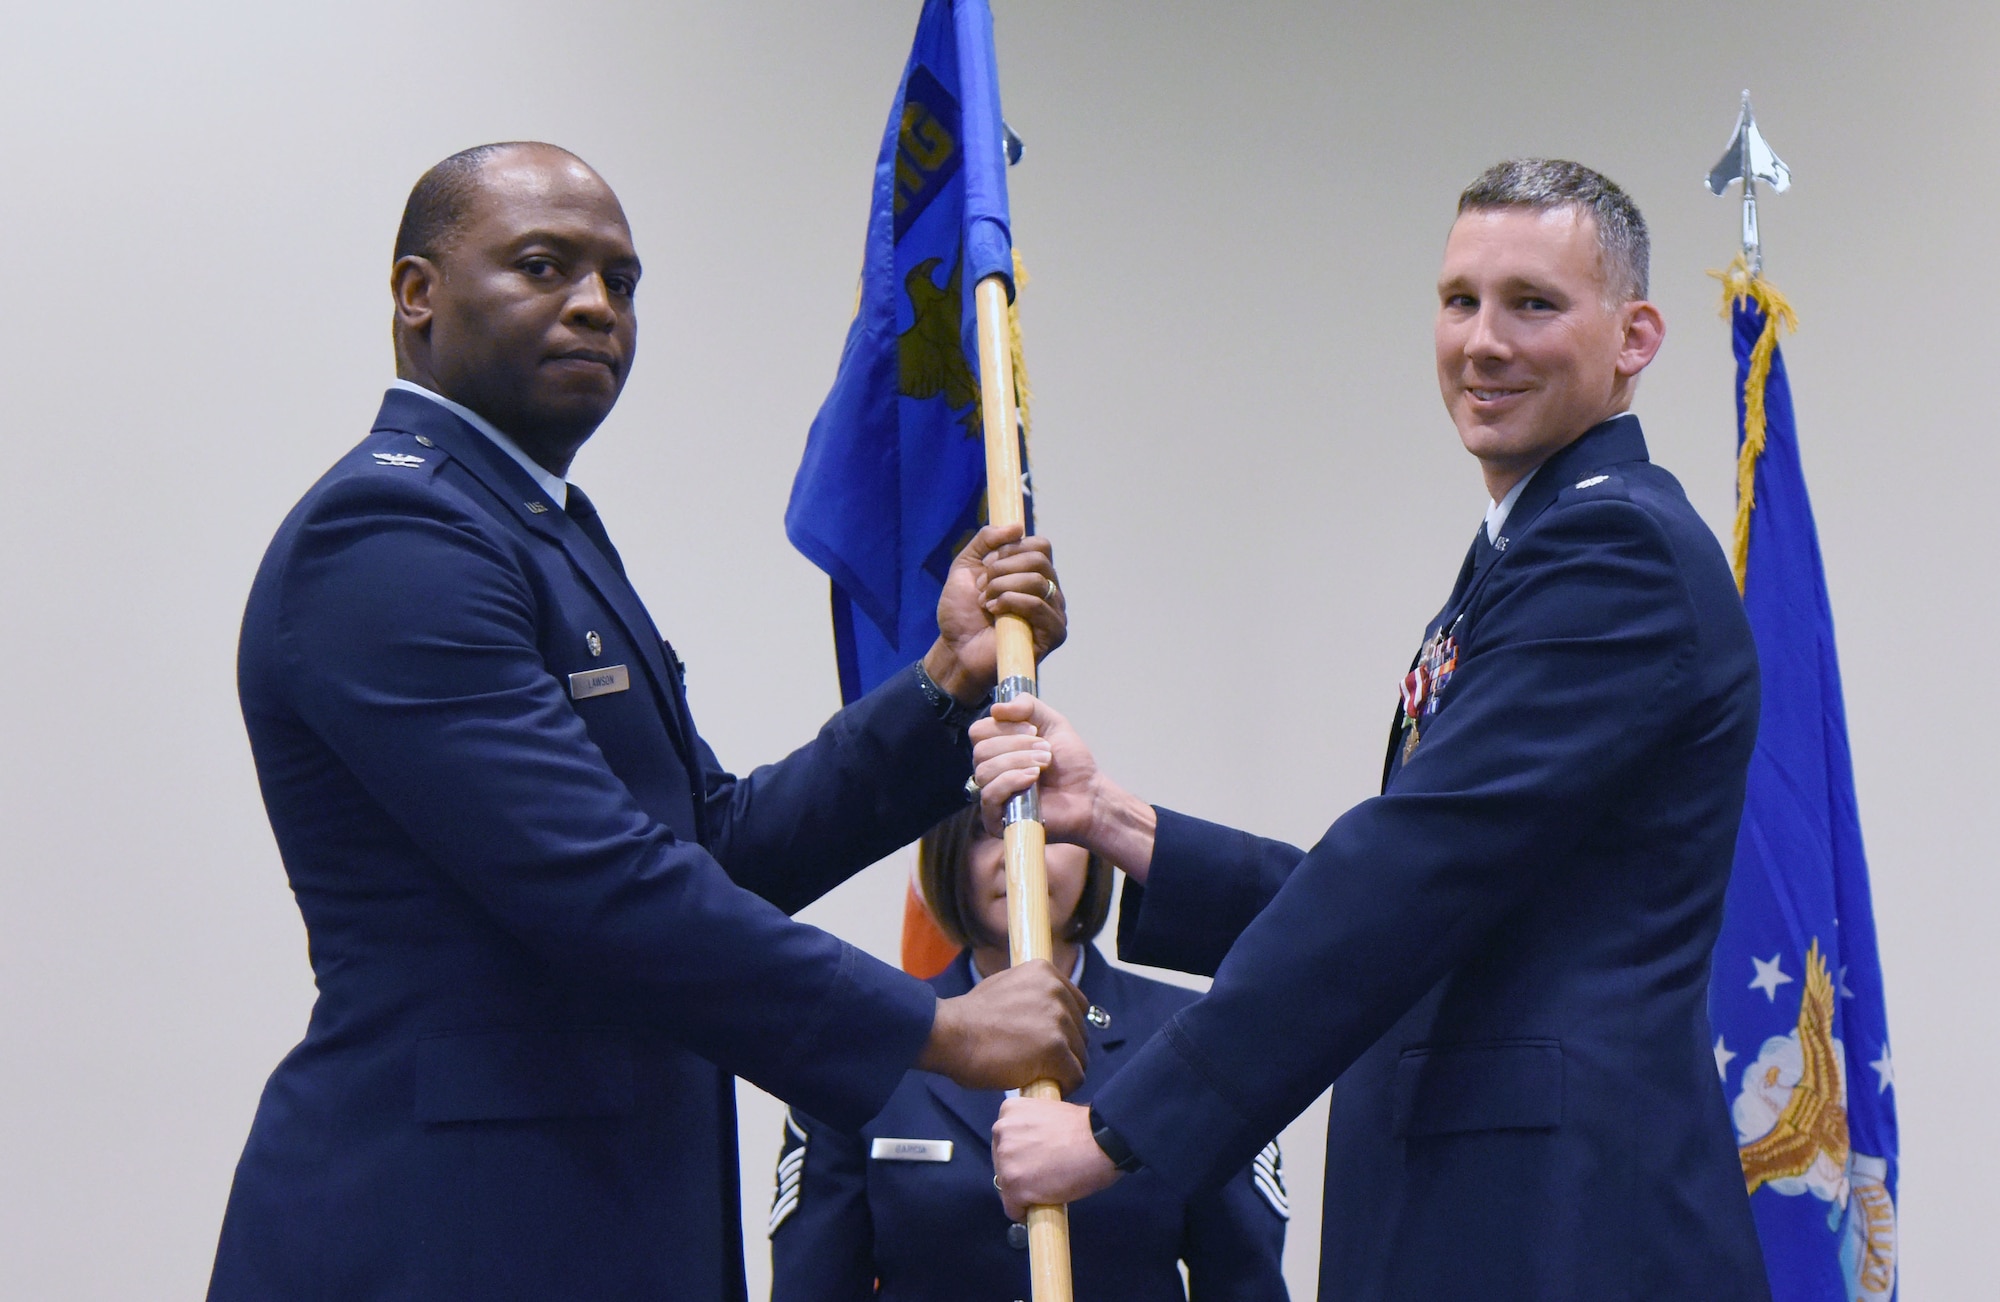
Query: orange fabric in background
x=925 y=950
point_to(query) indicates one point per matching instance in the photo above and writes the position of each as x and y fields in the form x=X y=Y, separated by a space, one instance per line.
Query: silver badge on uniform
x=910 y=1150
x=1098 y=1018
x=406 y=460
x=594 y=642
x=599 y=682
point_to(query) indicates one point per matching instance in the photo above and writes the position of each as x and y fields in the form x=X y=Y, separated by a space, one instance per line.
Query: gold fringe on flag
x=1739 y=283
x=1022 y=393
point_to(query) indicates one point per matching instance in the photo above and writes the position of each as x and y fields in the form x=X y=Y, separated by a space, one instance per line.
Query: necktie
x=582 y=510
x=1474 y=555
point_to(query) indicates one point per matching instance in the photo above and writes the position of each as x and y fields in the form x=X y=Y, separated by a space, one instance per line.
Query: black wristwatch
x=949 y=710
x=1113 y=1144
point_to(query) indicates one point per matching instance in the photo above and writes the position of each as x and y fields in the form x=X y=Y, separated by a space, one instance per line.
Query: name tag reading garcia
x=911 y=1150
x=599 y=682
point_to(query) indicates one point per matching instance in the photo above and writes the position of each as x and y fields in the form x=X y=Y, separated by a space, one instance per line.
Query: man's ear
x=1645 y=331
x=410 y=282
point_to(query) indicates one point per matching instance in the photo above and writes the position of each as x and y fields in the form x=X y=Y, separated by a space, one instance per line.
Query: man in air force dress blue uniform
x=545 y=925
x=1503 y=958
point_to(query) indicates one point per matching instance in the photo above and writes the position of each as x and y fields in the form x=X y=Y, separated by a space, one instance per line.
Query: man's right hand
x=1021 y=1025
x=1023 y=742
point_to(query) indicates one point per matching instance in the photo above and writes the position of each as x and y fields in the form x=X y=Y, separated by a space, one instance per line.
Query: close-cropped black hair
x=442 y=196
x=941 y=859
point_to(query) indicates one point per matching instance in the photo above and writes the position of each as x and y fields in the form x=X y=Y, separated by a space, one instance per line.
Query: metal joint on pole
x=1014 y=685
x=1026 y=807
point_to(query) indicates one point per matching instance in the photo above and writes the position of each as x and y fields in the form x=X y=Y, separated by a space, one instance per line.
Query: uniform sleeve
x=1206 y=884
x=1569 y=682
x=1235 y=1241
x=877 y=776
x=408 y=637
x=822 y=1232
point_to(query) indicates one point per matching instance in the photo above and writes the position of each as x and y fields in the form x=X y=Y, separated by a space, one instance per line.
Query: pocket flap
x=521 y=1075
x=1502 y=1085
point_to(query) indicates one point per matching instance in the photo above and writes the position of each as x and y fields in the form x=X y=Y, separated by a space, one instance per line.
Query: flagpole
x=1028 y=934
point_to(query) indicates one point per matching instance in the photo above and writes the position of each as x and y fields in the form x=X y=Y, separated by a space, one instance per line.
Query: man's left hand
x=1043 y=1155
x=998 y=573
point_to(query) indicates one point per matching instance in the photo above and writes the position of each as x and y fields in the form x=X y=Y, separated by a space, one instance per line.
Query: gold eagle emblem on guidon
x=930 y=355
x=1814 y=1120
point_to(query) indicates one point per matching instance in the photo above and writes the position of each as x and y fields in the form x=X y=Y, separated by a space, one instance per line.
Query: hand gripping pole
x=1028 y=933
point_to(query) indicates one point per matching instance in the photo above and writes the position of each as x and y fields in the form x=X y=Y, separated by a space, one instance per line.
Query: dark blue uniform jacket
x=842 y=1220
x=545 y=926
x=1504 y=957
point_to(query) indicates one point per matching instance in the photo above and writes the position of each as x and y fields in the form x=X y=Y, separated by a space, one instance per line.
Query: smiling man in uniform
x=1501 y=962
x=546 y=926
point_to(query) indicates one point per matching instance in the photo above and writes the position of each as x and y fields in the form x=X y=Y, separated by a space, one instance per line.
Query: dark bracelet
x=1113 y=1144
x=948 y=708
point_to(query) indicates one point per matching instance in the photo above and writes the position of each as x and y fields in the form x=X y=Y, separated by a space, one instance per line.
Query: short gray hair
x=1545 y=184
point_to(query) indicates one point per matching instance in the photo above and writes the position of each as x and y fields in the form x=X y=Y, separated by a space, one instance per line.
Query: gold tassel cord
x=1022 y=393
x=1739 y=283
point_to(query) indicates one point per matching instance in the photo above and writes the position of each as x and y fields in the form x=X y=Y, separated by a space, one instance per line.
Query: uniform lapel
x=1608 y=444
x=525 y=501
x=978 y=1109
x=1615 y=441
x=1467 y=571
x=1104 y=986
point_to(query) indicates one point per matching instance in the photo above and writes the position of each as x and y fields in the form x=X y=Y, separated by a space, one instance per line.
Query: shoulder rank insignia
x=1593 y=481
x=403 y=459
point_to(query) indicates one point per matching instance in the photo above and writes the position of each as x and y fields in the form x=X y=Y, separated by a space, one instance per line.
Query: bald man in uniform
x=546 y=926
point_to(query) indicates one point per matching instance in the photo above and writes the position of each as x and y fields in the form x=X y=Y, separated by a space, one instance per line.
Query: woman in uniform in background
x=906 y=1209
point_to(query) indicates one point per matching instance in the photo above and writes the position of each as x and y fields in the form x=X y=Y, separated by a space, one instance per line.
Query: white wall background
x=1232 y=215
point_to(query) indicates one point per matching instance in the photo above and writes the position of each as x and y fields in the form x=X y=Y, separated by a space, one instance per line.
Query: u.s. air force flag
x=1802 y=1041
x=894 y=473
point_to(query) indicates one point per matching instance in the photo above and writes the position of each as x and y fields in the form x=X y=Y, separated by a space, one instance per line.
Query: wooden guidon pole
x=1028 y=933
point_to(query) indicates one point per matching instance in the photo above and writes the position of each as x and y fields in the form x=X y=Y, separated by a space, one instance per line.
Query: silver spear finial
x=1749 y=160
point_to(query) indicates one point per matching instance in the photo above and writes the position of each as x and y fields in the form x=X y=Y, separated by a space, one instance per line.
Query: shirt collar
x=554 y=485
x=1075 y=976
x=1497 y=512
x=1075 y=979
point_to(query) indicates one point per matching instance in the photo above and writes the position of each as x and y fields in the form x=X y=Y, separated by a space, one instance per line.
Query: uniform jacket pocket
x=522 y=1075
x=1500 y=1085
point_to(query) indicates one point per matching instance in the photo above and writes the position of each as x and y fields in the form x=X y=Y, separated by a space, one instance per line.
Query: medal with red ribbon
x=1423 y=686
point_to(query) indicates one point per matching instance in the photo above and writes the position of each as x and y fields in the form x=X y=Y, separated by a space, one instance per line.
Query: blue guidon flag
x=894 y=475
x=1802 y=1040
